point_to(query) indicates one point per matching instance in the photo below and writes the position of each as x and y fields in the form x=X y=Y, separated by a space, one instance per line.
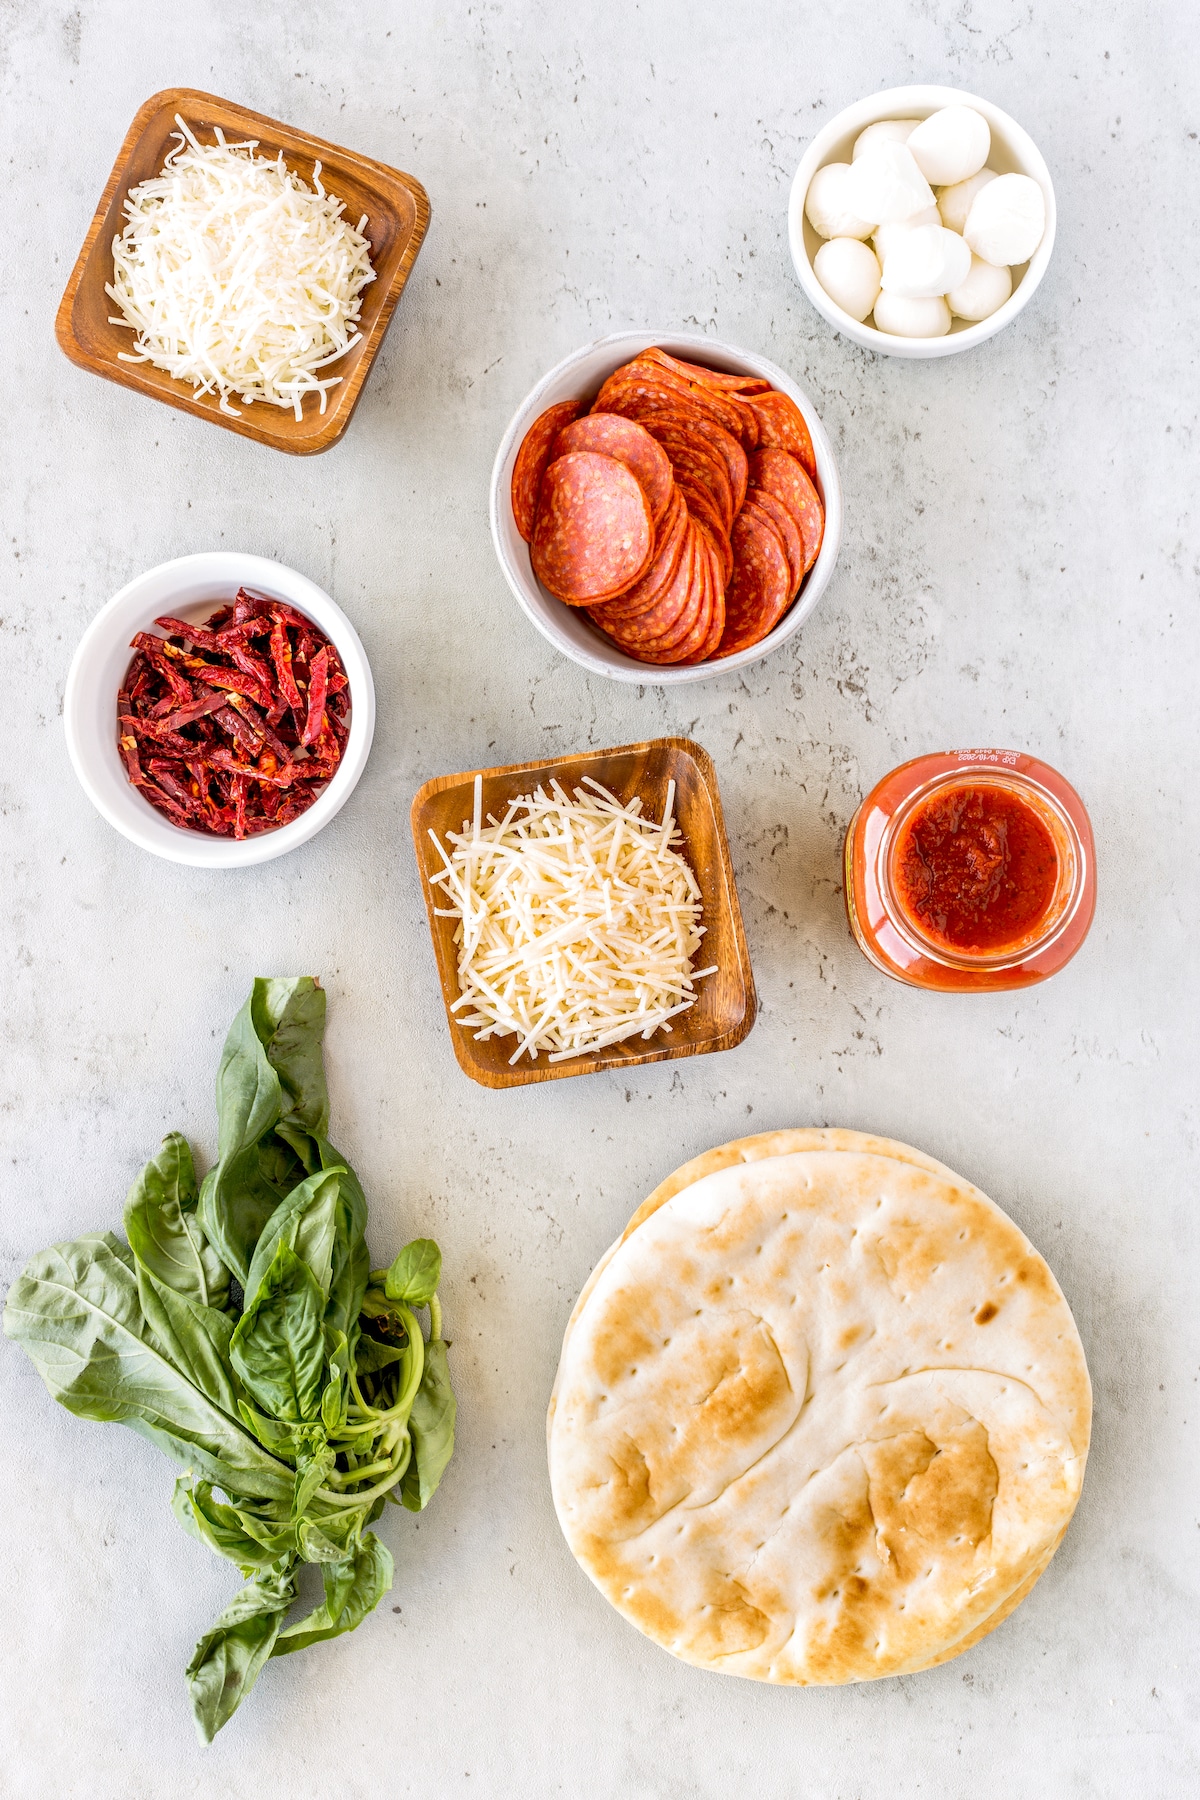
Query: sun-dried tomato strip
x=209 y=700
x=167 y=776
x=153 y=649
x=153 y=729
x=258 y=723
x=244 y=607
x=224 y=759
x=239 y=806
x=129 y=750
x=316 y=698
x=281 y=656
x=199 y=635
x=239 y=730
x=166 y=805
x=252 y=676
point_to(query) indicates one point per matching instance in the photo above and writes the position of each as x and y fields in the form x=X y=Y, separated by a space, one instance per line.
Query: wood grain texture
x=727 y=1003
x=397 y=210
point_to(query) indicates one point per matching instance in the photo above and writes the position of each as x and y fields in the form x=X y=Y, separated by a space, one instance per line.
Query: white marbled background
x=1020 y=566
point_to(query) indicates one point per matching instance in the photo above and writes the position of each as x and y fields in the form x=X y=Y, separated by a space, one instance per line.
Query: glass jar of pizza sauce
x=970 y=872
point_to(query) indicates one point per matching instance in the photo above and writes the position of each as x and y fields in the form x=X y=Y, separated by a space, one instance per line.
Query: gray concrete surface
x=1019 y=567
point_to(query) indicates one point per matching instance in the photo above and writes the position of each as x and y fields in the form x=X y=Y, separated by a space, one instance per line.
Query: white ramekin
x=191 y=587
x=1013 y=151
x=568 y=628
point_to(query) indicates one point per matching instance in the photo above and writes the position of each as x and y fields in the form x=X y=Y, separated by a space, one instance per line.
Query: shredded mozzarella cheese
x=236 y=276
x=578 y=921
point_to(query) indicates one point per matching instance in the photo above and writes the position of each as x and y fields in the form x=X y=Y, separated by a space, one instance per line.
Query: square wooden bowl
x=727 y=1003
x=397 y=212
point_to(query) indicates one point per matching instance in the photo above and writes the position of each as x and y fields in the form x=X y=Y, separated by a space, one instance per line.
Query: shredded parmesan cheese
x=236 y=276
x=577 y=921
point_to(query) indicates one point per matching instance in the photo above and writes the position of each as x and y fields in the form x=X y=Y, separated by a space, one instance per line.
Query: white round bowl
x=568 y=628
x=191 y=588
x=1013 y=152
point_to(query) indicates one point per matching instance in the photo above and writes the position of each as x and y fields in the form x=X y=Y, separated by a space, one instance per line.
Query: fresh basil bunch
x=242 y=1330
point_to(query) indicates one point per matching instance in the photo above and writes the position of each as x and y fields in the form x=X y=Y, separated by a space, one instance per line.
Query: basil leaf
x=352 y=1590
x=431 y=1427
x=224 y=1529
x=307 y=1222
x=77 y=1313
x=312 y=1466
x=195 y=1338
x=371 y=1355
x=163 y=1231
x=280 y=1440
x=235 y=1198
x=415 y=1274
x=278 y=1346
x=351 y=1265
x=227 y=1660
x=335 y=1400
x=279 y=1165
x=326 y=1543
x=289 y=1019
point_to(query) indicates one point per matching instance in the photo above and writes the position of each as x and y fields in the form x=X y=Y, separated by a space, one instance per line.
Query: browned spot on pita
x=909 y=1253
x=628 y=1341
x=930 y=1497
x=729 y=1625
x=986 y=1313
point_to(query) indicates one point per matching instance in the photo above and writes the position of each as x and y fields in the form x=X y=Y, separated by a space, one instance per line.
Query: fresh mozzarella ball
x=828 y=207
x=951 y=145
x=849 y=273
x=884 y=131
x=954 y=203
x=887 y=236
x=1007 y=220
x=985 y=288
x=925 y=262
x=886 y=184
x=912 y=318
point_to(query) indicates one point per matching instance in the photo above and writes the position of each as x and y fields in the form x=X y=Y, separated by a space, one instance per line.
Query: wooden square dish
x=397 y=212
x=727 y=1003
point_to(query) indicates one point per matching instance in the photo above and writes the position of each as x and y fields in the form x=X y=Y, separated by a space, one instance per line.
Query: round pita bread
x=822 y=1413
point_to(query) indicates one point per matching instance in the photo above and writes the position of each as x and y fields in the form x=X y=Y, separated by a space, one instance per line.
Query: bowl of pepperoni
x=666 y=508
x=219 y=710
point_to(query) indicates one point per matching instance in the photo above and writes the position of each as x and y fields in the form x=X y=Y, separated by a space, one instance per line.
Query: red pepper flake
x=233 y=726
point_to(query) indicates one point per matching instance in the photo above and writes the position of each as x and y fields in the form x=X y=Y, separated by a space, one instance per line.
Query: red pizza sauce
x=975 y=868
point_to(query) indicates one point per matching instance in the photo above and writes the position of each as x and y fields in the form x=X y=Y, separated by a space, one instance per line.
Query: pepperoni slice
x=660 y=619
x=757 y=597
x=731 y=453
x=782 y=426
x=664 y=419
x=675 y=643
x=716 y=628
x=692 y=628
x=537 y=450
x=692 y=459
x=780 y=474
x=669 y=545
x=611 y=435
x=703 y=508
x=672 y=617
x=758 y=499
x=713 y=378
x=639 y=379
x=593 y=535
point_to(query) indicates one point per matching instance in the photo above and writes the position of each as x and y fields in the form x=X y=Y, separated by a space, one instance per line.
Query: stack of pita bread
x=822 y=1412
